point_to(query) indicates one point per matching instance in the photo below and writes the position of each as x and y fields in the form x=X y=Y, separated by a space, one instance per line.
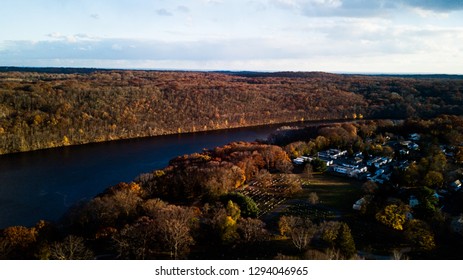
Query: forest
x=250 y=201
x=45 y=108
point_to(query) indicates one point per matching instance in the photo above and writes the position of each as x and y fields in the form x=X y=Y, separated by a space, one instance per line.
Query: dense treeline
x=41 y=110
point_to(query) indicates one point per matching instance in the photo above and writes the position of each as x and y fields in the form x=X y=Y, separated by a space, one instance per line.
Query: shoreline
x=304 y=122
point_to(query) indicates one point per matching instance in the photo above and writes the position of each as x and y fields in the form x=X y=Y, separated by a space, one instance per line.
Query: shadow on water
x=43 y=184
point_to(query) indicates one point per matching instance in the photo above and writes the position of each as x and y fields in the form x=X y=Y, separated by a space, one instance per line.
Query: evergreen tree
x=345 y=241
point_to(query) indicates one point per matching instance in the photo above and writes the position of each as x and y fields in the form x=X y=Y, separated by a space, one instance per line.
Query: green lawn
x=337 y=193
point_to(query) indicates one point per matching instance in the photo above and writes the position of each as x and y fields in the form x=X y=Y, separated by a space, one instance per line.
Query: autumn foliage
x=43 y=110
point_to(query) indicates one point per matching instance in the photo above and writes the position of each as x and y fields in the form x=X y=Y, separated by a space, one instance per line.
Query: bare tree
x=264 y=178
x=301 y=237
x=137 y=241
x=299 y=230
x=252 y=230
x=71 y=248
x=127 y=198
x=313 y=198
x=174 y=224
x=308 y=171
x=292 y=184
x=152 y=206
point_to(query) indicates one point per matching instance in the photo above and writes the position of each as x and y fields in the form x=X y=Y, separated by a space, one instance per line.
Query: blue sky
x=387 y=36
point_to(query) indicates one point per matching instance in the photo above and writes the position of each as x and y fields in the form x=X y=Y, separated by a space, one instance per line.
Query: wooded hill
x=46 y=109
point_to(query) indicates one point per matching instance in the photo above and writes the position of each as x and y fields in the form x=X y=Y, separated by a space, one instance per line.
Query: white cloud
x=56 y=36
x=428 y=13
x=346 y=37
x=307 y=3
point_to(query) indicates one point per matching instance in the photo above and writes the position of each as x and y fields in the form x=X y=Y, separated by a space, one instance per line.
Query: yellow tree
x=393 y=216
x=17 y=241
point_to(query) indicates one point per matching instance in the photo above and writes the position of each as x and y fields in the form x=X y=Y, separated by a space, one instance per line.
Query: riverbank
x=300 y=123
x=43 y=184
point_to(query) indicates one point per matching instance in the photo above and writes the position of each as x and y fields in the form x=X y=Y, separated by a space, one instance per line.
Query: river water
x=44 y=184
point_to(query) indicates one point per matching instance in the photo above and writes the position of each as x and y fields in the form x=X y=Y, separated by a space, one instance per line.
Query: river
x=44 y=184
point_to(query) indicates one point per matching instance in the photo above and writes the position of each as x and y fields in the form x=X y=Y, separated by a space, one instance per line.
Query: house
x=373 y=161
x=404 y=152
x=386 y=177
x=359 y=204
x=327 y=161
x=403 y=165
x=405 y=143
x=348 y=171
x=359 y=154
x=455 y=185
x=332 y=154
x=413 y=201
x=341 y=170
x=301 y=160
x=414 y=137
x=362 y=169
x=376 y=179
x=379 y=172
x=413 y=146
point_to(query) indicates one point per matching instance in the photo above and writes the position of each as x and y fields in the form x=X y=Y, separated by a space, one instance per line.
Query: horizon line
x=233 y=71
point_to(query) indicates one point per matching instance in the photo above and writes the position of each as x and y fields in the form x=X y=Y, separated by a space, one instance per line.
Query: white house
x=456 y=185
x=359 y=204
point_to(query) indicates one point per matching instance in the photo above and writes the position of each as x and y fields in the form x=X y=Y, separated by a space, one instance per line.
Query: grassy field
x=337 y=193
x=336 y=197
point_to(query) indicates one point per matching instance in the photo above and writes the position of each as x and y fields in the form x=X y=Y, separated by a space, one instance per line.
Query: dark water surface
x=43 y=184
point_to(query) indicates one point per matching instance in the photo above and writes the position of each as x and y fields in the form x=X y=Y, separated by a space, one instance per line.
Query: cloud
x=61 y=47
x=288 y=4
x=428 y=13
x=364 y=8
x=436 y=5
x=357 y=40
x=214 y=2
x=360 y=37
x=183 y=9
x=164 y=12
x=70 y=38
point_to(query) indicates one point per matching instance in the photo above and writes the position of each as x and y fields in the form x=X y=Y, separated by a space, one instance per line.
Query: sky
x=347 y=36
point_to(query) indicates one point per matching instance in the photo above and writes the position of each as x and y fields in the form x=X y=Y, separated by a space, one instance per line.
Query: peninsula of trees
x=52 y=108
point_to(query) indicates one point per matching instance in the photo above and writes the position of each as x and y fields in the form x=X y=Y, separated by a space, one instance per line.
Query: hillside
x=56 y=108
